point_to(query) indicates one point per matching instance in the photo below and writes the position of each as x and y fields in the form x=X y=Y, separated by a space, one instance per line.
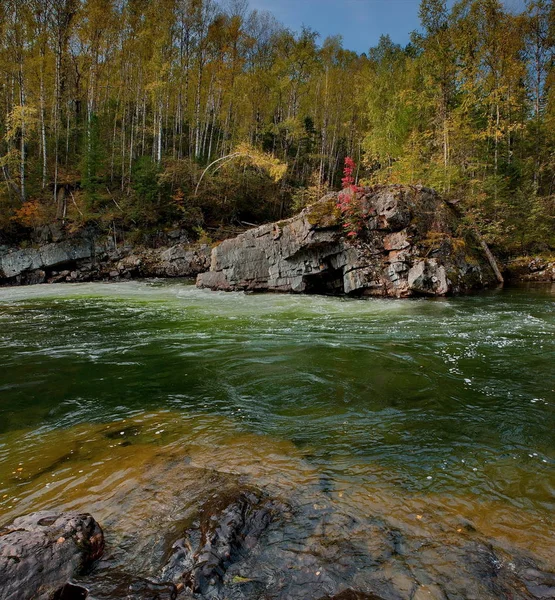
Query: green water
x=449 y=399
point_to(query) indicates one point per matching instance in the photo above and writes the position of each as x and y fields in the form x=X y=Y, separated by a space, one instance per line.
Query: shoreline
x=511 y=281
x=75 y=262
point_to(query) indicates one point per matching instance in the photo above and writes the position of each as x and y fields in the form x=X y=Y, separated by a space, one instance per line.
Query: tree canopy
x=110 y=111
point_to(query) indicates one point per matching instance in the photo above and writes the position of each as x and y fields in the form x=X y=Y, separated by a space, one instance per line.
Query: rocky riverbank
x=530 y=270
x=89 y=259
x=411 y=242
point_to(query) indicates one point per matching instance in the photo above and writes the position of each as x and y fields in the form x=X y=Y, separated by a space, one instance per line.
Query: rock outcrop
x=531 y=270
x=40 y=552
x=30 y=265
x=86 y=259
x=410 y=243
x=175 y=261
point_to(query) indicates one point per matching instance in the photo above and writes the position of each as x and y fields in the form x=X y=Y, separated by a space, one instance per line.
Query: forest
x=111 y=110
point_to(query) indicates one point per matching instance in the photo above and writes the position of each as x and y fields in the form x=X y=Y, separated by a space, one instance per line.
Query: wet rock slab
x=117 y=585
x=228 y=529
x=245 y=545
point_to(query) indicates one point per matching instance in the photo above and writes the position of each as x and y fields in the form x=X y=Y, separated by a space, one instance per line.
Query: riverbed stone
x=41 y=552
x=33 y=277
x=409 y=243
x=352 y=595
x=115 y=585
x=230 y=526
x=429 y=592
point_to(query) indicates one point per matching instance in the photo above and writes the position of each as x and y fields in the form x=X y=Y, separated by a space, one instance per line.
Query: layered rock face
x=410 y=243
x=31 y=263
x=83 y=259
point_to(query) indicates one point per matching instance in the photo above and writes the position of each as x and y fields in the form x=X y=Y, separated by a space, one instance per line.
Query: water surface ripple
x=447 y=404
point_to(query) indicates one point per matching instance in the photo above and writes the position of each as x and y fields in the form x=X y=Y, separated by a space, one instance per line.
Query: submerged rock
x=212 y=516
x=408 y=244
x=244 y=545
x=121 y=586
x=228 y=529
x=40 y=552
x=352 y=595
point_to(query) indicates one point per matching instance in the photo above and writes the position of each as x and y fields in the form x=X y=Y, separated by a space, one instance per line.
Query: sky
x=360 y=22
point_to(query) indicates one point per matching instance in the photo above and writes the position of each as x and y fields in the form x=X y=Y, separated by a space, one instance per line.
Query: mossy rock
x=324 y=214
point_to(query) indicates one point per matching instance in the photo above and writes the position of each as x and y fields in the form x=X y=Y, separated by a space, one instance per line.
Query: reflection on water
x=137 y=401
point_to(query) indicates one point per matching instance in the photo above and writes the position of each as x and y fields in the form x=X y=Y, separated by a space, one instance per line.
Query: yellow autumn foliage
x=275 y=167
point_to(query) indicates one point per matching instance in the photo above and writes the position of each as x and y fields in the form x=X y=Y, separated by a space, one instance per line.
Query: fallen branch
x=75 y=203
x=491 y=259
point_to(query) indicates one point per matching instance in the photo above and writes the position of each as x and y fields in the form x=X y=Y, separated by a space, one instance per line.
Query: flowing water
x=135 y=400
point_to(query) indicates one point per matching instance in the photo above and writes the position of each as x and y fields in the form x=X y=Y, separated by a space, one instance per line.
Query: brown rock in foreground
x=40 y=552
x=244 y=545
x=411 y=242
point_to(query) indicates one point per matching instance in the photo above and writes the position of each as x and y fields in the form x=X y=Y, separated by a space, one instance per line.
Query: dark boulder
x=41 y=552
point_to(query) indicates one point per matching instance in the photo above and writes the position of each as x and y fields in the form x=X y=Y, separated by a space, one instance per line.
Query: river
x=134 y=401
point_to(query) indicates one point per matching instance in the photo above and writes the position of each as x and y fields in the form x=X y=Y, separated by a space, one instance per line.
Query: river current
x=126 y=398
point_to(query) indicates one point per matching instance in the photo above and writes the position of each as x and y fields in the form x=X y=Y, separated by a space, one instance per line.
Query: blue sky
x=360 y=22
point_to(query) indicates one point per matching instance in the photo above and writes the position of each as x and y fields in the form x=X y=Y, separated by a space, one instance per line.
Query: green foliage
x=240 y=193
x=124 y=105
x=92 y=176
x=468 y=109
x=145 y=180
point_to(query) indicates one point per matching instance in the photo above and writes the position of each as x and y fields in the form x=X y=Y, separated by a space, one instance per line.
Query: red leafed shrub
x=348 y=201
